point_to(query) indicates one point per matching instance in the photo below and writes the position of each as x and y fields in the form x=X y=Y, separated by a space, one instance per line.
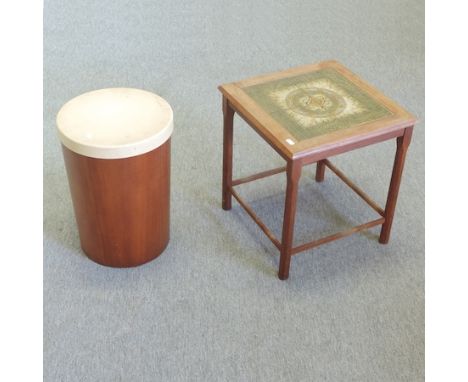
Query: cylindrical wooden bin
x=116 y=146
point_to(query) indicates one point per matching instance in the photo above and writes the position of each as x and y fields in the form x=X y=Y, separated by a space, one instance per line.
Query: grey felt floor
x=211 y=307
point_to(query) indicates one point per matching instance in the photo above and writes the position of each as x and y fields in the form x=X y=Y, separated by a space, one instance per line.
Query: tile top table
x=311 y=108
x=308 y=114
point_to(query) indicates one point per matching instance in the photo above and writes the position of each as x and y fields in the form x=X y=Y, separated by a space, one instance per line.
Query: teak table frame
x=399 y=127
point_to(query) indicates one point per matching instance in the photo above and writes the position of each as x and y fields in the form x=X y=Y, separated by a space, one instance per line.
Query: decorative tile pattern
x=316 y=103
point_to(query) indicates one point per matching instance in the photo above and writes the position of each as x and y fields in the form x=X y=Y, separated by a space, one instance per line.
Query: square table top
x=304 y=109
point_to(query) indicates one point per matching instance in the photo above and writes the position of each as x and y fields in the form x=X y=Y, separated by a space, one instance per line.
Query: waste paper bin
x=116 y=147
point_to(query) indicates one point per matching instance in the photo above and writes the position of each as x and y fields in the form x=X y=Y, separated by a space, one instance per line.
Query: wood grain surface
x=121 y=205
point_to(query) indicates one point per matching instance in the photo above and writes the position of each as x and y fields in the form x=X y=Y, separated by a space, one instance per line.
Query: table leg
x=402 y=147
x=293 y=175
x=320 y=171
x=228 y=113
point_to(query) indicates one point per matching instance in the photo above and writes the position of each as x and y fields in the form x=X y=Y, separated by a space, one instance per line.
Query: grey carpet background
x=211 y=307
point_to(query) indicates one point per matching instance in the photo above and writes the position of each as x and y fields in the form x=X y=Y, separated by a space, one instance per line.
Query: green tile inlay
x=316 y=103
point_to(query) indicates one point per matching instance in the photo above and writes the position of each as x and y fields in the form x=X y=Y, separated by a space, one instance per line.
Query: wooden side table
x=308 y=114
